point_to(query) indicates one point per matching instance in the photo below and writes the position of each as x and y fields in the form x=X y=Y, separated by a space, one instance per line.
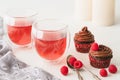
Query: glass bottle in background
x=103 y=12
x=83 y=10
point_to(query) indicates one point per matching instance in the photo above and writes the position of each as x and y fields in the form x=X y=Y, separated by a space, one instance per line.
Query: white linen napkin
x=13 y=69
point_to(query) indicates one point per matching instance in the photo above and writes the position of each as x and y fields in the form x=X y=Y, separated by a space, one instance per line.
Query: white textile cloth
x=13 y=69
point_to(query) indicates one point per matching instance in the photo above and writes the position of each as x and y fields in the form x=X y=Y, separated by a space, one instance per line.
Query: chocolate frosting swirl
x=84 y=35
x=103 y=51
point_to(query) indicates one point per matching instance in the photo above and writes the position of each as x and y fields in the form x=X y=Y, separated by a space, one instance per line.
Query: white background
x=51 y=8
x=64 y=9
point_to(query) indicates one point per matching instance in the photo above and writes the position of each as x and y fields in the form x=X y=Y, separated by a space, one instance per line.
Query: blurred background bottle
x=103 y=12
x=83 y=10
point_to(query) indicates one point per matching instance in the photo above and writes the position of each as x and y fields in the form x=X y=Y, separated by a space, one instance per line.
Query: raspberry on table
x=64 y=70
x=112 y=68
x=103 y=72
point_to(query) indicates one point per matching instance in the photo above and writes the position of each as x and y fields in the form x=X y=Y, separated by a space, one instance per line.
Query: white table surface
x=64 y=9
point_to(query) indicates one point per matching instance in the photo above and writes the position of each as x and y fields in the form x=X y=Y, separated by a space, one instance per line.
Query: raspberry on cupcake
x=100 y=56
x=83 y=40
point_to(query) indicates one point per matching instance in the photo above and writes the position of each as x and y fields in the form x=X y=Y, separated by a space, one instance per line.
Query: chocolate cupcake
x=100 y=57
x=83 y=40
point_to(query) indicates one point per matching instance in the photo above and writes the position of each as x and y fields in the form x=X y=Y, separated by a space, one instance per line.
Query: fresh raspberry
x=112 y=68
x=103 y=72
x=71 y=60
x=64 y=70
x=95 y=47
x=78 y=64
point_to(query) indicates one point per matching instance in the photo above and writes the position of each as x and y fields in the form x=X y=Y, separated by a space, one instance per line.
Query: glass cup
x=51 y=39
x=19 y=26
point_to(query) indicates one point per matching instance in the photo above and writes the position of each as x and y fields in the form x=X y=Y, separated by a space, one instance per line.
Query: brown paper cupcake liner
x=99 y=63
x=83 y=48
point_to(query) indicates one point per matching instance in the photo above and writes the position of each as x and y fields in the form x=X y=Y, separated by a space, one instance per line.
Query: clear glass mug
x=51 y=39
x=19 y=26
